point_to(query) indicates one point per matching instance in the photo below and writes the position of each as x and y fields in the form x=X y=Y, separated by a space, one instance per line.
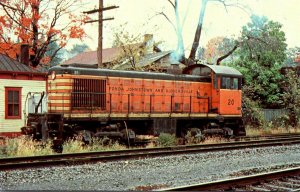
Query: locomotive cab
x=225 y=97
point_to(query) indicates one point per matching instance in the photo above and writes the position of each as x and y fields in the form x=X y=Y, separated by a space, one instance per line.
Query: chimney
x=24 y=54
x=149 y=43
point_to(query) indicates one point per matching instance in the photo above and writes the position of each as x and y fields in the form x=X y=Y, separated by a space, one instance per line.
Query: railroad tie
x=289 y=184
x=276 y=187
x=258 y=188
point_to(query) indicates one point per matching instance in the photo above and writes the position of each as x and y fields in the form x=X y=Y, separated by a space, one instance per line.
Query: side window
x=215 y=81
x=230 y=83
x=12 y=103
x=235 y=83
x=225 y=83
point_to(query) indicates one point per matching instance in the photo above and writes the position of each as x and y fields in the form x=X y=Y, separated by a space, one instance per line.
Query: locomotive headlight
x=53 y=75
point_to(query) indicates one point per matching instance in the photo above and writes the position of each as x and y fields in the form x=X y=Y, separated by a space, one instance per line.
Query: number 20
x=230 y=102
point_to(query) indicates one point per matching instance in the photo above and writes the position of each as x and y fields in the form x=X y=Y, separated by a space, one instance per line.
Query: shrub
x=252 y=113
x=166 y=139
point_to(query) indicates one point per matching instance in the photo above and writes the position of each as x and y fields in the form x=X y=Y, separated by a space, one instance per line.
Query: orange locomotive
x=124 y=104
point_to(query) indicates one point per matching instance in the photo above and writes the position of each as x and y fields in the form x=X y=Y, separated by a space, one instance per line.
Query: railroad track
x=282 y=180
x=104 y=156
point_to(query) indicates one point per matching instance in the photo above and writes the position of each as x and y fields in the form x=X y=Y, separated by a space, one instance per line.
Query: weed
x=24 y=146
x=254 y=131
x=166 y=139
x=214 y=139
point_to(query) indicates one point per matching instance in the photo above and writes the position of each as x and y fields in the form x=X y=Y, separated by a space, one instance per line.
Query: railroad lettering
x=116 y=89
x=150 y=90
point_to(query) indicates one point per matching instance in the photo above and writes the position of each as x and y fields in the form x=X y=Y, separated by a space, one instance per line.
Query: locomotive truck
x=117 y=104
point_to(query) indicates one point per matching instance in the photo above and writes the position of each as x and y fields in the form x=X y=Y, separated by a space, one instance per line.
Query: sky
x=218 y=21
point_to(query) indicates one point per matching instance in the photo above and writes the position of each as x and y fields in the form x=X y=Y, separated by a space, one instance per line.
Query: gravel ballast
x=153 y=173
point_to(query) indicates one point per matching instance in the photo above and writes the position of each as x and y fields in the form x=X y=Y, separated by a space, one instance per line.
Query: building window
x=12 y=103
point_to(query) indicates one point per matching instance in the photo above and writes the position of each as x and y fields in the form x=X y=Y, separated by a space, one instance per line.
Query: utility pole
x=100 y=38
x=100 y=27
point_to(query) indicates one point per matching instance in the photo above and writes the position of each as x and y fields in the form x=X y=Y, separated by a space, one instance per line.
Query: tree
x=178 y=27
x=196 y=41
x=291 y=96
x=261 y=53
x=292 y=56
x=78 y=48
x=195 y=45
x=55 y=58
x=131 y=48
x=39 y=23
x=217 y=47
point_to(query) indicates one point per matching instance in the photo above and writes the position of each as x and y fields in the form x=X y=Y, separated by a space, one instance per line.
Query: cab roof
x=217 y=69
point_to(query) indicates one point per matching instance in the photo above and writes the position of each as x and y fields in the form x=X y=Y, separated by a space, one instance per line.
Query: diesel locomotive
x=117 y=104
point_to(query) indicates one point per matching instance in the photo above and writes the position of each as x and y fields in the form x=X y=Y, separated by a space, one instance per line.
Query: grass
x=166 y=140
x=214 y=139
x=23 y=146
x=254 y=131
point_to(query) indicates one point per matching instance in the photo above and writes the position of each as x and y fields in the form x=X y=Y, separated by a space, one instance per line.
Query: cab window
x=230 y=83
x=215 y=81
x=235 y=83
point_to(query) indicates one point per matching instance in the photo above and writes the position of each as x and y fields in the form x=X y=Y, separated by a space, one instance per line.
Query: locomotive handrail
x=183 y=104
x=91 y=105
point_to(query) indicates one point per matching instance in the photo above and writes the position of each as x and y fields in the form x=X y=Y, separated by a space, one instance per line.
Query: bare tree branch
x=173 y=5
x=163 y=14
x=227 y=54
x=198 y=31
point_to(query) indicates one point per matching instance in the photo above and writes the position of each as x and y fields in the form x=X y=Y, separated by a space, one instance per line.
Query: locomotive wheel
x=228 y=133
x=57 y=148
x=105 y=141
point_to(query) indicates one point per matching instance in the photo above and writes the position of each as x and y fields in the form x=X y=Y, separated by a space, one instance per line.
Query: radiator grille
x=89 y=93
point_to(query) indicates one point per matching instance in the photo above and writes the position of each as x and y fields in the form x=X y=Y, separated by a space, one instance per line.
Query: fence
x=272 y=114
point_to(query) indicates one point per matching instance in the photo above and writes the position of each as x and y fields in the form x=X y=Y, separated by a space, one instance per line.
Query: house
x=90 y=57
x=295 y=65
x=18 y=83
x=151 y=57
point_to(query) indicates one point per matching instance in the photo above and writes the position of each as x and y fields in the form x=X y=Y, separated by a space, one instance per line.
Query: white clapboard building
x=21 y=87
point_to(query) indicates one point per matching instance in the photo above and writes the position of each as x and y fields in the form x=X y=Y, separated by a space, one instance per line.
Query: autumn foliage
x=39 y=23
x=212 y=52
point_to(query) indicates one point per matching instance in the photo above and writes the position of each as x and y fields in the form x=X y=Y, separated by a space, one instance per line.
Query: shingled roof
x=90 y=57
x=8 y=64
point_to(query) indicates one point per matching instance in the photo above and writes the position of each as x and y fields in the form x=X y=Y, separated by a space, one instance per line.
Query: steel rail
x=282 y=135
x=240 y=183
x=104 y=156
